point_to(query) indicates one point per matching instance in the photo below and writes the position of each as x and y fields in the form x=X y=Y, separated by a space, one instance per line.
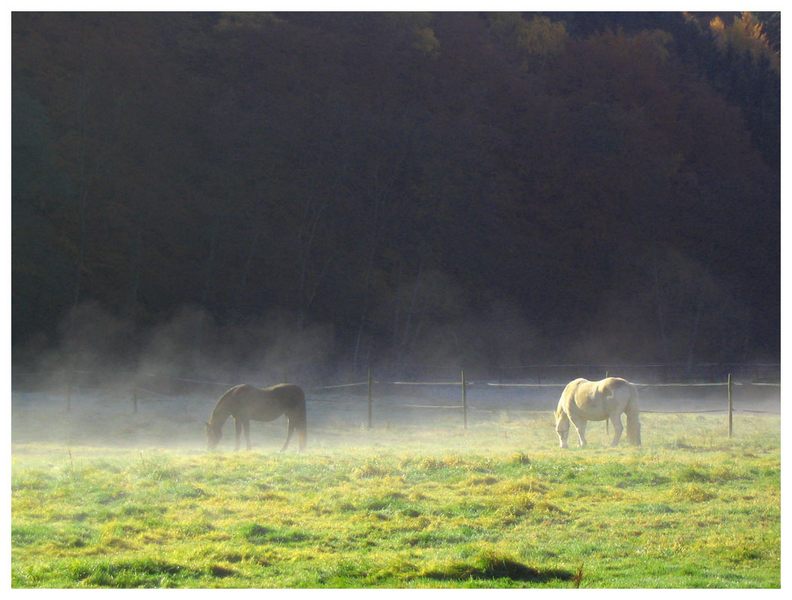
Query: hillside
x=448 y=188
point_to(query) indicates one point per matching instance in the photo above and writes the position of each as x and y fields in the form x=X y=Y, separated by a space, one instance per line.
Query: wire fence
x=379 y=389
x=729 y=408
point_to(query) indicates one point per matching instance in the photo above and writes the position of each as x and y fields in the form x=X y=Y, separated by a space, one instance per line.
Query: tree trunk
x=205 y=295
x=137 y=265
x=82 y=197
x=374 y=246
x=659 y=306
x=309 y=225
x=248 y=262
x=694 y=334
x=413 y=302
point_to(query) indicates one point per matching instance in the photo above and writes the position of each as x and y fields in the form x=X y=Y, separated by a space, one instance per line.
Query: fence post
x=731 y=404
x=69 y=392
x=464 y=398
x=134 y=400
x=369 y=398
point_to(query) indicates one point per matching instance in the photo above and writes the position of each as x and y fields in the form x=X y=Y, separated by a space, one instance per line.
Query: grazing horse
x=583 y=400
x=246 y=403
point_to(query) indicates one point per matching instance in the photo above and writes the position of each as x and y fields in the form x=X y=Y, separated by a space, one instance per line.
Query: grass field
x=498 y=505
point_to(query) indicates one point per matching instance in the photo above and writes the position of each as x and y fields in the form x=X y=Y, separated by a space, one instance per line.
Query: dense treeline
x=445 y=188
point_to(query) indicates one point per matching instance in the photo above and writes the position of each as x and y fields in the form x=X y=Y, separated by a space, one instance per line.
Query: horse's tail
x=633 y=417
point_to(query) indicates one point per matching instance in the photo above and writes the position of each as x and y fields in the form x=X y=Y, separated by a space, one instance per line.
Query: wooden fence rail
x=138 y=392
x=464 y=384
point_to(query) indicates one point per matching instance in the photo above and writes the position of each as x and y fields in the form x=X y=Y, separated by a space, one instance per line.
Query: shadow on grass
x=258 y=534
x=140 y=573
x=130 y=573
x=497 y=568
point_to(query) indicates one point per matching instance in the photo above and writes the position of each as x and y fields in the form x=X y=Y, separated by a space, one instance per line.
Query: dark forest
x=402 y=190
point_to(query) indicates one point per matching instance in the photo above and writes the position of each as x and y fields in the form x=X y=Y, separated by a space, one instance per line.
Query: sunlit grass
x=496 y=506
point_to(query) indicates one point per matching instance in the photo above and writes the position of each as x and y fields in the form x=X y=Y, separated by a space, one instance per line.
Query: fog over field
x=432 y=223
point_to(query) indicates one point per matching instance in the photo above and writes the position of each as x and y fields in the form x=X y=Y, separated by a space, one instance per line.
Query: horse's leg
x=238 y=425
x=246 y=429
x=562 y=427
x=615 y=418
x=580 y=425
x=288 y=435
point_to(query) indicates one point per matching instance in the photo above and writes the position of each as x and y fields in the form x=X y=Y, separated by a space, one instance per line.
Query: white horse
x=583 y=400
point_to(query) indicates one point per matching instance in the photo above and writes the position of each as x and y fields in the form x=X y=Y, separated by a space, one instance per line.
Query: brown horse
x=246 y=403
x=583 y=400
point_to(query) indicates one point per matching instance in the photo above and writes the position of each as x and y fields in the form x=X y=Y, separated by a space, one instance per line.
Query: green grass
x=496 y=506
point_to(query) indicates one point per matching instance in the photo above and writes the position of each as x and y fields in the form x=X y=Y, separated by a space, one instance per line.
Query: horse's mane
x=222 y=409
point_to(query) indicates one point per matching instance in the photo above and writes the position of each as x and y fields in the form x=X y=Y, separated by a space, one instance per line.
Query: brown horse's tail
x=633 y=417
x=298 y=420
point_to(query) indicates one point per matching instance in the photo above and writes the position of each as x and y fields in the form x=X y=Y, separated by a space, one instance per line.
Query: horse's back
x=287 y=391
x=615 y=383
x=571 y=392
x=617 y=387
x=232 y=397
x=267 y=404
x=279 y=391
x=596 y=400
x=571 y=387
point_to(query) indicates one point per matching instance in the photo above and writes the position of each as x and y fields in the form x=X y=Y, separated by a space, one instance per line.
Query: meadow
x=418 y=505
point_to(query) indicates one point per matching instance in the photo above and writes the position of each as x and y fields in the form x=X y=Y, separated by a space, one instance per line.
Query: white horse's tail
x=633 y=417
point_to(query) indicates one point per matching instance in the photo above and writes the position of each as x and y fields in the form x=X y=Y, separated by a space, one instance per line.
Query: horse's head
x=213 y=435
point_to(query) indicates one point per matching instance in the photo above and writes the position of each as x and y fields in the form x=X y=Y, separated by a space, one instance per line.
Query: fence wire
x=146 y=390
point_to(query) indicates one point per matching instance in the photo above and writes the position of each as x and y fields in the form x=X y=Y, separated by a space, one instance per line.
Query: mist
x=297 y=299
x=107 y=382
